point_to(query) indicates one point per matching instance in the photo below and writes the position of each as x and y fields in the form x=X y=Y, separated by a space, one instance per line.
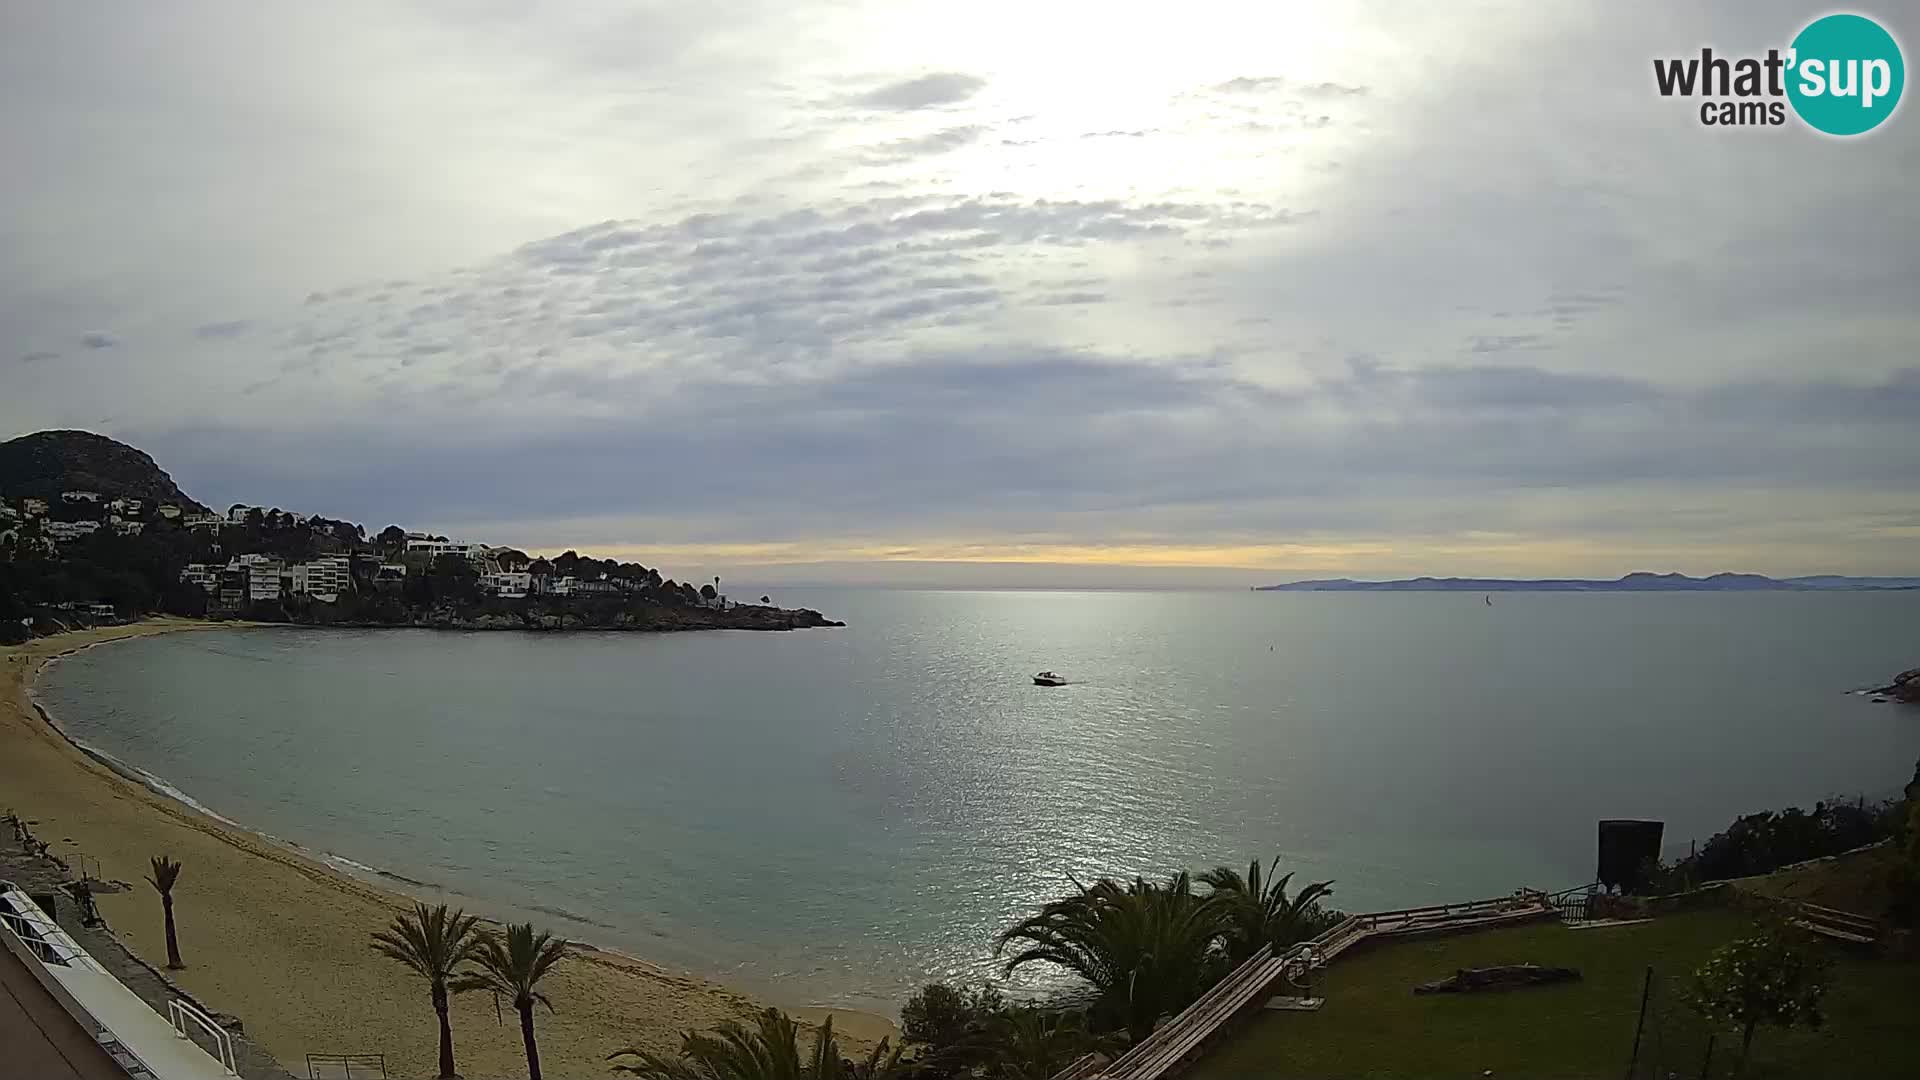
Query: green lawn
x=1374 y=1026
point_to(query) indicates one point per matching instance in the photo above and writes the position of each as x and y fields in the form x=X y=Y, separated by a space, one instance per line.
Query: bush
x=1764 y=842
x=1770 y=978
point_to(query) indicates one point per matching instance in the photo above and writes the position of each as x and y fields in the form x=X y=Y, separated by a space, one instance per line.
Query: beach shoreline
x=277 y=934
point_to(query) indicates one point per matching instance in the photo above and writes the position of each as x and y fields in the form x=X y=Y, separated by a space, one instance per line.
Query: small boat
x=1048 y=678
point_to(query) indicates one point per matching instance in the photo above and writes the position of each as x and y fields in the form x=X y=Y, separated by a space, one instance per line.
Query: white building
x=169 y=511
x=508 y=584
x=436 y=548
x=64 y=531
x=237 y=513
x=204 y=521
x=80 y=496
x=123 y=527
x=8 y=513
x=205 y=575
x=33 y=507
x=125 y=506
x=263 y=575
x=324 y=578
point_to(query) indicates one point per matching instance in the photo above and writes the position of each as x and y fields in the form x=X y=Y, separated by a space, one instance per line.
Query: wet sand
x=280 y=940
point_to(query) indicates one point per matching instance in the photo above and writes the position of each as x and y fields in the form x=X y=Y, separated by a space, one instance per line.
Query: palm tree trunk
x=173 y=939
x=526 y=1036
x=1746 y=1043
x=446 y=1035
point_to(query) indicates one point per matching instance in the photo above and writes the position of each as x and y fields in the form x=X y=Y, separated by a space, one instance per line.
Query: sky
x=989 y=293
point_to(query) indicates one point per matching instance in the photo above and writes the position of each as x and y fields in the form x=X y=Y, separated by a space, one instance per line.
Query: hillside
x=45 y=463
x=1635 y=582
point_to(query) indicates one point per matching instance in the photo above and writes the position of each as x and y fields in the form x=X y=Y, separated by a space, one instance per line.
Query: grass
x=1373 y=1026
x=1856 y=882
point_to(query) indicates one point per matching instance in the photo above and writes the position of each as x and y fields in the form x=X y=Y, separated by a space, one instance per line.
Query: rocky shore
x=637 y=614
x=647 y=618
x=1905 y=687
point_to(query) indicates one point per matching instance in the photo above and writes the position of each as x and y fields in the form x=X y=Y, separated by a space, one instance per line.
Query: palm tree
x=1027 y=1043
x=1260 y=911
x=434 y=942
x=1144 y=950
x=768 y=1051
x=511 y=968
x=165 y=873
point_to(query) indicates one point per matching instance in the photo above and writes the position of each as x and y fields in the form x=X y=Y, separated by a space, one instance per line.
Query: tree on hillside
x=1260 y=912
x=947 y=1025
x=512 y=967
x=392 y=537
x=435 y=943
x=1768 y=978
x=166 y=873
x=1144 y=949
x=453 y=578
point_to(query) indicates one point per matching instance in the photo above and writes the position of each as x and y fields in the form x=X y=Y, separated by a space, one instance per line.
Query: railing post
x=1646 y=988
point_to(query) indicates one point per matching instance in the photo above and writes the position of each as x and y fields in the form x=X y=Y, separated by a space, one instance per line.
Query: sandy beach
x=281 y=940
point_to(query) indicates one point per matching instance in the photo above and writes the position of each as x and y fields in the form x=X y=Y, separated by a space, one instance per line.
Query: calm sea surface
x=833 y=816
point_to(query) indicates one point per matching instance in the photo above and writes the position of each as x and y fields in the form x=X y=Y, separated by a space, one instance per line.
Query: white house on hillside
x=324 y=578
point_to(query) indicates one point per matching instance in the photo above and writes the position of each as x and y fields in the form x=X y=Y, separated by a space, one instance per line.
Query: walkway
x=40 y=1039
x=1177 y=1041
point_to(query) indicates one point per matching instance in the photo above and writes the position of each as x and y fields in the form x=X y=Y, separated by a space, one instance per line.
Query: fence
x=1576 y=905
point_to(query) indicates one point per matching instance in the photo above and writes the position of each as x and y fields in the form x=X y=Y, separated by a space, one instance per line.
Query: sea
x=835 y=816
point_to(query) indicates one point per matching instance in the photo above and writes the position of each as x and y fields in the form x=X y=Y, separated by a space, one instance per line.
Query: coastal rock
x=1503 y=977
x=637 y=617
x=1904 y=687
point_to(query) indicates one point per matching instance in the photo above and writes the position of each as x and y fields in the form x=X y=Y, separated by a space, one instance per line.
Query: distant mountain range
x=1636 y=582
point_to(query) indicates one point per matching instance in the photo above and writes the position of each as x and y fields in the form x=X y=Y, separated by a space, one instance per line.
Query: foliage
x=1903 y=886
x=1769 y=978
x=1142 y=949
x=1032 y=1043
x=940 y=1016
x=770 y=1050
x=513 y=967
x=1763 y=842
x=1260 y=912
x=435 y=943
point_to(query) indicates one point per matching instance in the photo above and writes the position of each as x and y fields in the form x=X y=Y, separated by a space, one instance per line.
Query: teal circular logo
x=1845 y=74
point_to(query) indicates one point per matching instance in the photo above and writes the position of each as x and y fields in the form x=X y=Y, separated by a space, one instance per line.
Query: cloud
x=98 y=340
x=1279 y=286
x=923 y=92
x=928 y=145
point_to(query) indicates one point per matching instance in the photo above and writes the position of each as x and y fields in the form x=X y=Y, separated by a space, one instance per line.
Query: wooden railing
x=1174 y=1043
x=1839 y=925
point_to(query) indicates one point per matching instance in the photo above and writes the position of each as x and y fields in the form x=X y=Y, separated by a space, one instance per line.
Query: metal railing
x=347 y=1066
x=39 y=933
x=180 y=1010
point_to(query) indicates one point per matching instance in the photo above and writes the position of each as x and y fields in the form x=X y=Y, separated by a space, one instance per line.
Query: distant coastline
x=1635 y=582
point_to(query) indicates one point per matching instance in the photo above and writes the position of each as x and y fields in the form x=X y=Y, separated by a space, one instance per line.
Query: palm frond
x=165 y=873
